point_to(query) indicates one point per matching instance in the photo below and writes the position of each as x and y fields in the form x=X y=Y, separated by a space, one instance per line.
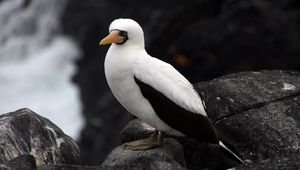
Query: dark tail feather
x=231 y=152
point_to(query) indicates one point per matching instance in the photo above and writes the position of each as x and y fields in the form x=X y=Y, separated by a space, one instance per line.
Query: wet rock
x=24 y=162
x=24 y=132
x=169 y=156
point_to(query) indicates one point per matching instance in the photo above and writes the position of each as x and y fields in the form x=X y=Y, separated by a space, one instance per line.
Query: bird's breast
x=120 y=78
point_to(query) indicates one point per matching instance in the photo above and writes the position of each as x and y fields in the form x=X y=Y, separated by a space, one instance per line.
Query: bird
x=154 y=91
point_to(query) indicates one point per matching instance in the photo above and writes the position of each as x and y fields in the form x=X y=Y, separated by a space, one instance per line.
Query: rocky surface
x=23 y=162
x=196 y=155
x=203 y=39
x=24 y=132
x=261 y=112
x=68 y=167
x=169 y=156
x=260 y=116
x=258 y=112
x=234 y=93
x=274 y=164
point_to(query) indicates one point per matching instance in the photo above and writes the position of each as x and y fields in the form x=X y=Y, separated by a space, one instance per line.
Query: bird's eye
x=123 y=33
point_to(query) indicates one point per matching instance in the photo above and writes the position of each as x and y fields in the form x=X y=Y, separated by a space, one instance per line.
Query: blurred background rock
x=51 y=62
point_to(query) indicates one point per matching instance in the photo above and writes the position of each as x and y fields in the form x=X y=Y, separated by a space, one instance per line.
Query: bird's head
x=124 y=32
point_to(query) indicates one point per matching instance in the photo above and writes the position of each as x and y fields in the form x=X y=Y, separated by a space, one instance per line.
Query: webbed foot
x=155 y=140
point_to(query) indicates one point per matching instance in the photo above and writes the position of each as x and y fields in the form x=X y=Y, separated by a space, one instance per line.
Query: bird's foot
x=155 y=140
x=143 y=144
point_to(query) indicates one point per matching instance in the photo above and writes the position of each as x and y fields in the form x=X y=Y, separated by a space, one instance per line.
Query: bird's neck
x=126 y=51
x=119 y=61
x=124 y=55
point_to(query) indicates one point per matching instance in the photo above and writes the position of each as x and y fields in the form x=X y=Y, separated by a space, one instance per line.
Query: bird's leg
x=155 y=140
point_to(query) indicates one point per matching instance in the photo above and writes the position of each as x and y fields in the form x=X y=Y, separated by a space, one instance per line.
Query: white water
x=37 y=63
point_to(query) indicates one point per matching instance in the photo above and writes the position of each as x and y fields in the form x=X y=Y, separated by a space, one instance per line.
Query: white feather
x=168 y=81
x=225 y=147
x=120 y=78
x=123 y=62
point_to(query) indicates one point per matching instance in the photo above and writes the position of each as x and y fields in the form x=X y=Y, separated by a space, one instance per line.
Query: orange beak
x=113 y=37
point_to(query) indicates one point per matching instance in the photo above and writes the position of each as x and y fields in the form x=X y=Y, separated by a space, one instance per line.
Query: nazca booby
x=154 y=91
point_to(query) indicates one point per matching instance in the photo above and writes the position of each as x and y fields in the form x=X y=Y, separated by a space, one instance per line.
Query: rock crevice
x=256 y=106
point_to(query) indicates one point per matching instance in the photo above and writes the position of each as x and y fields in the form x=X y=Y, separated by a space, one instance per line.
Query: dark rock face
x=262 y=110
x=169 y=156
x=23 y=132
x=135 y=130
x=67 y=167
x=24 y=162
x=240 y=92
x=275 y=164
x=196 y=155
x=259 y=114
x=203 y=39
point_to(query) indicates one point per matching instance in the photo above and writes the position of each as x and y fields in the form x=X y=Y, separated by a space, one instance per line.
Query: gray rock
x=274 y=164
x=24 y=162
x=135 y=130
x=239 y=92
x=258 y=112
x=24 y=132
x=169 y=157
x=67 y=167
x=197 y=155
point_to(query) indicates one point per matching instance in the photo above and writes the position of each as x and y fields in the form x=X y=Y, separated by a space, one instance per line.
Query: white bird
x=154 y=91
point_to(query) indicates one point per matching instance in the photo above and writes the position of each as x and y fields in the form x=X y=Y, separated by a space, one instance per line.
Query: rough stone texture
x=23 y=162
x=68 y=167
x=23 y=132
x=135 y=130
x=260 y=116
x=197 y=155
x=169 y=156
x=259 y=112
x=234 y=93
x=262 y=110
x=274 y=164
x=203 y=39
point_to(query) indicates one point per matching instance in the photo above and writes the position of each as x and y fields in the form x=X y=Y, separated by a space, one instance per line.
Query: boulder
x=169 y=156
x=258 y=112
x=24 y=132
x=239 y=92
x=23 y=162
x=195 y=155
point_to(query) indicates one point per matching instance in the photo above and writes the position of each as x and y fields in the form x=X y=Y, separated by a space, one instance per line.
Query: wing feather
x=184 y=121
x=167 y=80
